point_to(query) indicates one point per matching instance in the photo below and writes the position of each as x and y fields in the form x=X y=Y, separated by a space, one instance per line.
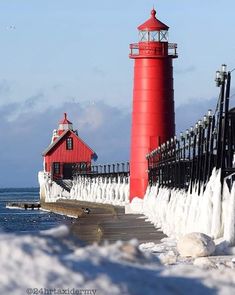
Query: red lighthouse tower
x=153 y=117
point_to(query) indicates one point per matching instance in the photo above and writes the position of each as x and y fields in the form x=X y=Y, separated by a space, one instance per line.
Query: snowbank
x=55 y=261
x=178 y=212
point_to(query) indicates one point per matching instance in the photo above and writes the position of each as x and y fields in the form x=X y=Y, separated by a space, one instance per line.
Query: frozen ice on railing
x=178 y=212
x=50 y=191
x=98 y=189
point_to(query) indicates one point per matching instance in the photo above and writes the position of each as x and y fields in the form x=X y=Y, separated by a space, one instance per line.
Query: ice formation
x=105 y=190
x=178 y=212
x=101 y=190
x=50 y=191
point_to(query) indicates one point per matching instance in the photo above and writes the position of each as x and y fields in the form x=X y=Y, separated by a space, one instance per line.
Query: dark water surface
x=20 y=220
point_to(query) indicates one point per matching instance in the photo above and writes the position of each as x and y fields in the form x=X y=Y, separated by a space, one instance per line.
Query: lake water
x=20 y=220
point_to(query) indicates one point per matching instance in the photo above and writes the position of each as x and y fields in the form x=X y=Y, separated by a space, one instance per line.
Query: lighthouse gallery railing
x=156 y=49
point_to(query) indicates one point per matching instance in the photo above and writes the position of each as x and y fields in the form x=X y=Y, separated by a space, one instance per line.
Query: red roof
x=65 y=120
x=153 y=24
x=55 y=143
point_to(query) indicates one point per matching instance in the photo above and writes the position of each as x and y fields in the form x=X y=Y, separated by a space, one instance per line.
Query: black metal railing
x=189 y=159
x=107 y=170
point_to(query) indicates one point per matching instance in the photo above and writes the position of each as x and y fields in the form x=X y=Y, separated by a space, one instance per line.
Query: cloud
x=12 y=111
x=109 y=131
x=32 y=101
x=27 y=134
x=188 y=114
x=92 y=118
x=105 y=128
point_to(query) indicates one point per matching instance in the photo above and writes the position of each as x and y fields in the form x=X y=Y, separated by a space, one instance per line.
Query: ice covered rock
x=195 y=245
x=204 y=262
x=168 y=258
x=131 y=252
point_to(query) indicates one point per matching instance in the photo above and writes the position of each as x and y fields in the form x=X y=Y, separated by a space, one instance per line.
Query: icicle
x=217 y=208
x=229 y=226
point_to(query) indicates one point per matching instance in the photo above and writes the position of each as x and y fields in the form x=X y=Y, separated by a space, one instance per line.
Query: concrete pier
x=100 y=222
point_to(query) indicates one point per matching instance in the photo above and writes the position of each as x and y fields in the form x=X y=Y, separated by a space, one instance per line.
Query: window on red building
x=69 y=143
x=56 y=168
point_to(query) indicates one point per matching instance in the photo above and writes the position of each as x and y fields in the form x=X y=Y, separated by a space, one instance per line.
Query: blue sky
x=69 y=55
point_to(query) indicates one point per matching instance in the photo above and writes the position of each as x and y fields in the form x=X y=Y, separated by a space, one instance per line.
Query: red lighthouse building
x=153 y=118
x=67 y=152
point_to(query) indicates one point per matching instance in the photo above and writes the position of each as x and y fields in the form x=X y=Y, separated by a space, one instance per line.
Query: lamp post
x=220 y=82
x=208 y=124
x=194 y=131
x=223 y=80
x=199 y=153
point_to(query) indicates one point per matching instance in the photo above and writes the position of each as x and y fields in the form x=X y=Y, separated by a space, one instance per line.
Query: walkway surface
x=100 y=222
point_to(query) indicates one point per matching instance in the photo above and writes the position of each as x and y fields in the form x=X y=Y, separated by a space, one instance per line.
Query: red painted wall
x=153 y=118
x=79 y=153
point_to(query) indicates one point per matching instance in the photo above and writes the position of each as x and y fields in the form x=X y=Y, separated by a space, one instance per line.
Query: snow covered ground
x=53 y=260
x=166 y=251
